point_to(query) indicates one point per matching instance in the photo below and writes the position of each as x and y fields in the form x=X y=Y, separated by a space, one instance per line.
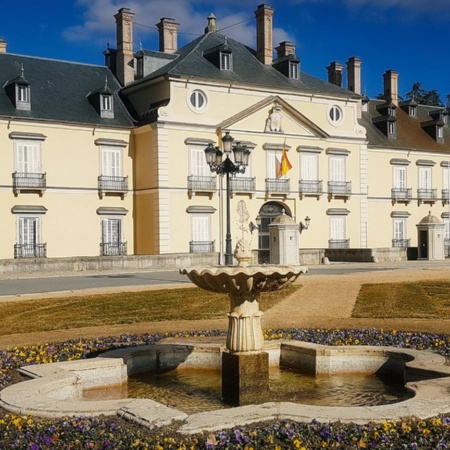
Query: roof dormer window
x=106 y=102
x=22 y=93
x=18 y=91
x=392 y=129
x=293 y=70
x=225 y=61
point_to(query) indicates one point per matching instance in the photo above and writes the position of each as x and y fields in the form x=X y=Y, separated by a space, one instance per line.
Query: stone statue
x=274 y=121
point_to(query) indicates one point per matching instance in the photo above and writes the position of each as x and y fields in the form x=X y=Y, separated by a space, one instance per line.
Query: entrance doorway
x=268 y=213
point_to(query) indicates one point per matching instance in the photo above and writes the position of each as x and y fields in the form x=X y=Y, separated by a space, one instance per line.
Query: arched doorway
x=268 y=213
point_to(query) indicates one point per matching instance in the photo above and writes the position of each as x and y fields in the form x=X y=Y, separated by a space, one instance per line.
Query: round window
x=197 y=100
x=335 y=115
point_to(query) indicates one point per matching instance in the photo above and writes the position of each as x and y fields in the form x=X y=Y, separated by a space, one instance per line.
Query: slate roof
x=247 y=69
x=410 y=134
x=59 y=91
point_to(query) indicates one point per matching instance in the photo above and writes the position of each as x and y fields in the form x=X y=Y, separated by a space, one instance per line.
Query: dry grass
x=120 y=308
x=416 y=300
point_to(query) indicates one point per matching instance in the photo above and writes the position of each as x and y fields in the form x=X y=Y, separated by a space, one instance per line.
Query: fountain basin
x=56 y=389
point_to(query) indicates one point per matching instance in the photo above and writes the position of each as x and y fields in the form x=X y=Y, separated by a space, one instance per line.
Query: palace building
x=110 y=160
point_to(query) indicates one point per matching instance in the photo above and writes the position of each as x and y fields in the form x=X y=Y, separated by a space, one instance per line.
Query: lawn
x=415 y=300
x=121 y=308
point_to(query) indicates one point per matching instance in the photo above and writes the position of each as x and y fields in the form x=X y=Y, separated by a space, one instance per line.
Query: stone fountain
x=245 y=366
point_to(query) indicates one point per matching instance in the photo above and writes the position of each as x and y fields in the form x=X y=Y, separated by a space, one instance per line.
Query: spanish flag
x=285 y=165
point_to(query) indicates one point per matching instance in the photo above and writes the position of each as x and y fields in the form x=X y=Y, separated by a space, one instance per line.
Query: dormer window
x=439 y=134
x=22 y=93
x=225 y=61
x=293 y=70
x=140 y=67
x=412 y=111
x=107 y=102
x=392 y=129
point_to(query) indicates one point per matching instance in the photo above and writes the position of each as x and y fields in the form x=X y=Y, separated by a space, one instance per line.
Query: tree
x=423 y=96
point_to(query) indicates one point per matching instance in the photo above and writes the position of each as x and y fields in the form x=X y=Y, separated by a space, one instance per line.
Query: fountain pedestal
x=245 y=367
x=245 y=378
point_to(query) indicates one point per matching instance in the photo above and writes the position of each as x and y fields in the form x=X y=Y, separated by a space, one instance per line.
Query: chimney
x=354 y=75
x=168 y=35
x=125 y=57
x=264 y=49
x=286 y=48
x=212 y=26
x=3 y=45
x=335 y=73
x=391 y=86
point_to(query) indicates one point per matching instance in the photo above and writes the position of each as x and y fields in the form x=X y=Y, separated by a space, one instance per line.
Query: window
x=445 y=179
x=293 y=70
x=309 y=170
x=29 y=232
x=225 y=61
x=335 y=115
x=112 y=243
x=440 y=132
x=400 y=177
x=399 y=233
x=111 y=179
x=400 y=192
x=425 y=178
x=22 y=93
x=140 y=67
x=28 y=176
x=337 y=184
x=391 y=130
x=200 y=178
x=425 y=191
x=106 y=102
x=197 y=100
x=337 y=232
x=201 y=241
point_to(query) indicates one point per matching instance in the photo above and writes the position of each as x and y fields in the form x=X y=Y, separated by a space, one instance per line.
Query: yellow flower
x=426 y=431
x=297 y=443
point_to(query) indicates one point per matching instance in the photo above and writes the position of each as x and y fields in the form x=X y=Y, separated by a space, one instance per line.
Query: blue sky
x=409 y=36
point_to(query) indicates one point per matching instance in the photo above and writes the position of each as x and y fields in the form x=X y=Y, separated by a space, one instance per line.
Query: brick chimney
x=286 y=48
x=335 y=73
x=168 y=35
x=264 y=45
x=3 y=45
x=354 y=75
x=391 y=86
x=125 y=57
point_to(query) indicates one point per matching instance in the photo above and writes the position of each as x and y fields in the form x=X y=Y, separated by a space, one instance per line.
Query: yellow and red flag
x=285 y=165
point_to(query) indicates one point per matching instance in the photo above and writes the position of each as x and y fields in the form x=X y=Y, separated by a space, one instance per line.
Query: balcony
x=310 y=188
x=201 y=185
x=112 y=185
x=29 y=182
x=426 y=195
x=30 y=251
x=342 y=189
x=401 y=195
x=401 y=242
x=201 y=246
x=113 y=248
x=242 y=185
x=339 y=243
x=445 y=196
x=275 y=186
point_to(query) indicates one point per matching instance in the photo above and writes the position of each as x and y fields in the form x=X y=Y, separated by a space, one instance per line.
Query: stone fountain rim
x=274 y=270
x=29 y=397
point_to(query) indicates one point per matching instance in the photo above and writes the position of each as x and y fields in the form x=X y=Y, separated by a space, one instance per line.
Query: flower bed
x=26 y=432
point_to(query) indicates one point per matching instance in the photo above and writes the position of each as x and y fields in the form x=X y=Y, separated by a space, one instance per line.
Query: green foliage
x=423 y=96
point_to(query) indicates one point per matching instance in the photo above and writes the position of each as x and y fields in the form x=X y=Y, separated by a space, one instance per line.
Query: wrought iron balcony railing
x=400 y=242
x=198 y=183
x=242 y=185
x=25 y=181
x=339 y=243
x=401 y=194
x=277 y=186
x=427 y=195
x=112 y=184
x=201 y=246
x=312 y=187
x=340 y=188
x=30 y=251
x=113 y=248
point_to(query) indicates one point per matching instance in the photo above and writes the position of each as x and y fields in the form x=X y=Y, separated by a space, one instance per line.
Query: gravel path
x=325 y=301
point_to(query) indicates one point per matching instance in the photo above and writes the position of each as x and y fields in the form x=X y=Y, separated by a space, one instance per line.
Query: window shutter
x=111 y=162
x=199 y=167
x=337 y=228
x=445 y=175
x=28 y=230
x=337 y=168
x=399 y=177
x=201 y=228
x=309 y=167
x=424 y=177
x=273 y=163
x=399 y=229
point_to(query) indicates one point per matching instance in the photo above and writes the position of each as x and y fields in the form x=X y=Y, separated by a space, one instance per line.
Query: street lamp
x=214 y=158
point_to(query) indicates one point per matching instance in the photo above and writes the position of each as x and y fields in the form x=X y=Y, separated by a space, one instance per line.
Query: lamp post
x=214 y=158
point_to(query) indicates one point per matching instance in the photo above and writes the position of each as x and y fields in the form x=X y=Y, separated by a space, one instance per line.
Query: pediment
x=273 y=115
